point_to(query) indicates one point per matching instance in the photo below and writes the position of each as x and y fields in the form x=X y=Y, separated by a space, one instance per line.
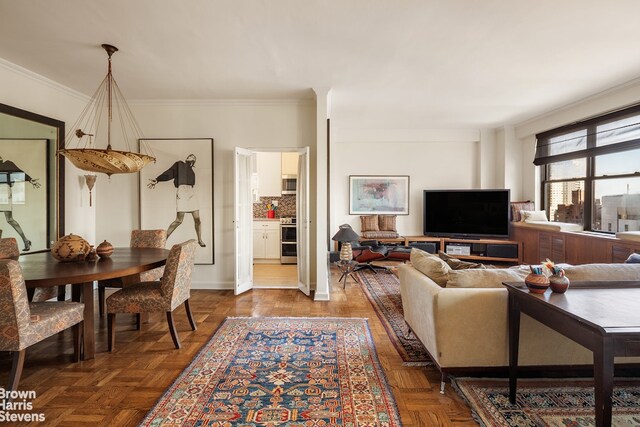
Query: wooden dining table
x=42 y=270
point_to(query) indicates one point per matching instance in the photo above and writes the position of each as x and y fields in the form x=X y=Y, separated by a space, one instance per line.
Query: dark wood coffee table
x=601 y=316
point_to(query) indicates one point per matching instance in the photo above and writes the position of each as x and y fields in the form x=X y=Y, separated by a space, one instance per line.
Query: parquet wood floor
x=117 y=389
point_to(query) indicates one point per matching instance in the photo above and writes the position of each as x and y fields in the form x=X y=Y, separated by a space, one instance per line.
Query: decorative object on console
x=536 y=281
x=558 y=281
x=90 y=180
x=379 y=194
x=92 y=255
x=378 y=226
x=85 y=155
x=104 y=249
x=345 y=236
x=516 y=207
x=70 y=248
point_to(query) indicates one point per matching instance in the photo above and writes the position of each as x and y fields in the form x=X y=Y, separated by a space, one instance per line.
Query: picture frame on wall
x=176 y=192
x=24 y=192
x=379 y=194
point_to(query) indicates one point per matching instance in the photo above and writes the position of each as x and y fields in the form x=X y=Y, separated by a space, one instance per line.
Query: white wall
x=256 y=124
x=452 y=162
x=23 y=89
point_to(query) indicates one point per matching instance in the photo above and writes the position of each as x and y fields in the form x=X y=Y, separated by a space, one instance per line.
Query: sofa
x=461 y=316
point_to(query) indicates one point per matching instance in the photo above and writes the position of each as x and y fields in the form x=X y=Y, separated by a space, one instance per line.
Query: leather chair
x=368 y=252
x=164 y=295
x=139 y=239
x=23 y=324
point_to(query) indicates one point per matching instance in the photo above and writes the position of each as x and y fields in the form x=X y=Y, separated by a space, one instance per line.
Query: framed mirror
x=31 y=178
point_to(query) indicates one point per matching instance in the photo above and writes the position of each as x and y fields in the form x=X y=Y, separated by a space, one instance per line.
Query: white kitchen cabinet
x=269 y=166
x=290 y=163
x=266 y=239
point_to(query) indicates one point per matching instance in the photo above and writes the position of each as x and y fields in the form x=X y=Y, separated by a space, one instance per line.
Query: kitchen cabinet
x=266 y=239
x=269 y=174
x=290 y=163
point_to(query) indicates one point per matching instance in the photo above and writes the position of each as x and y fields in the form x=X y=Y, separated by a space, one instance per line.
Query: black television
x=466 y=213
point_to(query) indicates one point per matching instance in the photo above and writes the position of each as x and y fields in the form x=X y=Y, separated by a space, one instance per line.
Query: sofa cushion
x=380 y=235
x=457 y=264
x=484 y=278
x=634 y=258
x=387 y=222
x=430 y=265
x=369 y=223
x=588 y=272
x=528 y=216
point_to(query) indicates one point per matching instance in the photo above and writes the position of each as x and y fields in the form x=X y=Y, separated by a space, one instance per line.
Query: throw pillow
x=516 y=207
x=380 y=234
x=484 y=278
x=528 y=216
x=369 y=223
x=633 y=259
x=457 y=264
x=387 y=222
x=430 y=265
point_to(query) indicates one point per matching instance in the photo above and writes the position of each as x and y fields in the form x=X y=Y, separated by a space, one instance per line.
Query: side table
x=346 y=268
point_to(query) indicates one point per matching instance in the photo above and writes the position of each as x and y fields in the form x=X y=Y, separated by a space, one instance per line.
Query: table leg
x=603 y=376
x=514 y=339
x=89 y=340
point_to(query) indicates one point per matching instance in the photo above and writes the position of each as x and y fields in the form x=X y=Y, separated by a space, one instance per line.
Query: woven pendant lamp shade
x=107 y=105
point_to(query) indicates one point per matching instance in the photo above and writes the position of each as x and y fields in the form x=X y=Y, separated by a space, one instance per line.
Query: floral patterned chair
x=139 y=239
x=165 y=295
x=9 y=250
x=23 y=324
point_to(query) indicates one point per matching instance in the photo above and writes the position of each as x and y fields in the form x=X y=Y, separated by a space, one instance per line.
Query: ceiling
x=407 y=64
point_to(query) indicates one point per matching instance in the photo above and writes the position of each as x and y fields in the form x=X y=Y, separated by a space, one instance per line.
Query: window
x=591 y=172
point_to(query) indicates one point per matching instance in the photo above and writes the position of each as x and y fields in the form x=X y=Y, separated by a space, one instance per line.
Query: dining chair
x=9 y=250
x=23 y=324
x=164 y=295
x=139 y=239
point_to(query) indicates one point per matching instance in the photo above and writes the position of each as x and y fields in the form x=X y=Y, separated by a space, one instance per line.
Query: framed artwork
x=375 y=194
x=176 y=192
x=24 y=192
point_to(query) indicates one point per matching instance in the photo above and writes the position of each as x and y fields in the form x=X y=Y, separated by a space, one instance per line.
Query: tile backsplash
x=286 y=206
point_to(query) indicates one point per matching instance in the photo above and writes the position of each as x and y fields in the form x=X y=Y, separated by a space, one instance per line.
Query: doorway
x=271 y=218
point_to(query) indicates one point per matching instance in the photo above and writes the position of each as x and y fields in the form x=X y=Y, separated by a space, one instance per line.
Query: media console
x=483 y=250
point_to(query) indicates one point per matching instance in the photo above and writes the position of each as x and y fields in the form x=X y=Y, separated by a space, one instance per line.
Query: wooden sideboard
x=571 y=247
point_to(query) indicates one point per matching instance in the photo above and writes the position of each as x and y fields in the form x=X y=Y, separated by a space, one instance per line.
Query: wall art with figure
x=378 y=194
x=176 y=193
x=24 y=188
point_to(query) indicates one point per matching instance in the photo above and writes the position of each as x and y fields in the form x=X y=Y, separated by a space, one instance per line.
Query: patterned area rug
x=547 y=402
x=383 y=291
x=304 y=372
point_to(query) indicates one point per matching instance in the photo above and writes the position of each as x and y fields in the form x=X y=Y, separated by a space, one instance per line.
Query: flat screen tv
x=466 y=213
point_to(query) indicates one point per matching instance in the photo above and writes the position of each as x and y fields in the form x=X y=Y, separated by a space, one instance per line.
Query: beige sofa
x=466 y=327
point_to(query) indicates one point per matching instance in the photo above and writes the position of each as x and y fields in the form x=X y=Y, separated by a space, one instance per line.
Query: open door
x=243 y=221
x=303 y=223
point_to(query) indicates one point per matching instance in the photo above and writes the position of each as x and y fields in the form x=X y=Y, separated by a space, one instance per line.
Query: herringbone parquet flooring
x=117 y=389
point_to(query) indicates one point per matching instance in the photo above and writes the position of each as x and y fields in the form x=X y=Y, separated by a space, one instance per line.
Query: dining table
x=43 y=270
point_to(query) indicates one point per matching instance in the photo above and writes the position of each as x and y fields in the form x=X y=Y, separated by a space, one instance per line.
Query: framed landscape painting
x=373 y=194
x=176 y=192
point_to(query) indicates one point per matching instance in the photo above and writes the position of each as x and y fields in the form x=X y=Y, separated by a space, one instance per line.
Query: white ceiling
x=403 y=64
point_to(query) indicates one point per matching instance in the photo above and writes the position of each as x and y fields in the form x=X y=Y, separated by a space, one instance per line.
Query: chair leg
x=101 y=295
x=138 y=321
x=190 y=315
x=78 y=330
x=62 y=292
x=172 y=329
x=16 y=369
x=111 y=330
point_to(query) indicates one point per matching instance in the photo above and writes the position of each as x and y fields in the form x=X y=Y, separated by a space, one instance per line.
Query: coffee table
x=601 y=316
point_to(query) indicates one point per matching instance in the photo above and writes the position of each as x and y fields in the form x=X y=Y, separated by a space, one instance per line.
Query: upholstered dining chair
x=9 y=250
x=165 y=295
x=139 y=239
x=23 y=324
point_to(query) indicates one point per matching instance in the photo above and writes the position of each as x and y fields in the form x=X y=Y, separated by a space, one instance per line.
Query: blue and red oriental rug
x=270 y=372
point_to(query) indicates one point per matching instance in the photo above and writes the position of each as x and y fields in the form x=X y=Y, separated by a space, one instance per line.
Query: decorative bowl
x=104 y=249
x=559 y=283
x=70 y=248
x=537 y=283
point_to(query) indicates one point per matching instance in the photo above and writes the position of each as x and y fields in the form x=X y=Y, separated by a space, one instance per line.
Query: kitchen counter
x=267 y=219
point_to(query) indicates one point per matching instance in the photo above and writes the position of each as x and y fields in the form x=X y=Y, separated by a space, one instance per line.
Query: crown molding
x=218 y=102
x=17 y=69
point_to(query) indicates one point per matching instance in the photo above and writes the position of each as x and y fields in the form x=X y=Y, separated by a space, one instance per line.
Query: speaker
x=478 y=248
x=425 y=246
x=502 y=251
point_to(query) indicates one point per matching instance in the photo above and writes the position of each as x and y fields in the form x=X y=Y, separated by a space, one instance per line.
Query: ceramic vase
x=537 y=283
x=104 y=249
x=559 y=283
x=70 y=248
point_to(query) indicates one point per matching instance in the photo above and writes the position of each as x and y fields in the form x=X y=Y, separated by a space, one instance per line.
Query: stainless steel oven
x=288 y=241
